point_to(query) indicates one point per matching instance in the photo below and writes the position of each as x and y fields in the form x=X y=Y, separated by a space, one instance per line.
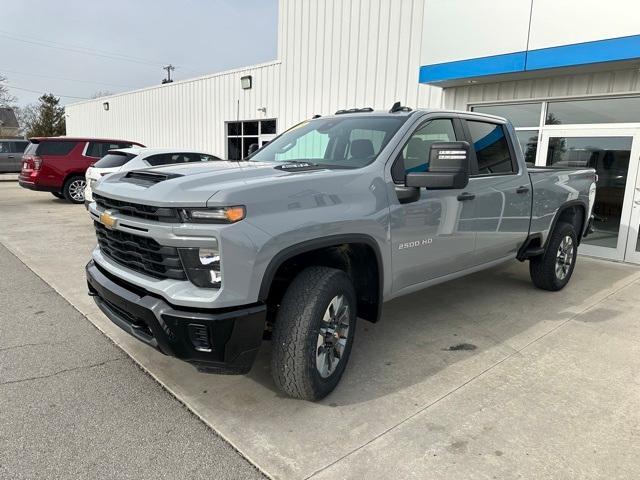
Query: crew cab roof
x=408 y=113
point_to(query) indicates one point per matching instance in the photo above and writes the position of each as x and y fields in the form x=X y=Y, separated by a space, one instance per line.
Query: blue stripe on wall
x=474 y=67
x=623 y=48
x=614 y=49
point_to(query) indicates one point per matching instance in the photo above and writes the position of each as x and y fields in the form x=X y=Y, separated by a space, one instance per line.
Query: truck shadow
x=449 y=333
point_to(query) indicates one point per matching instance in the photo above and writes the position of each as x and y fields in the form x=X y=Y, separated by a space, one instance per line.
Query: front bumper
x=213 y=340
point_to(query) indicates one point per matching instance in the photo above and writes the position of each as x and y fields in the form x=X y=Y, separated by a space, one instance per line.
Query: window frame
x=458 y=129
x=474 y=170
x=260 y=136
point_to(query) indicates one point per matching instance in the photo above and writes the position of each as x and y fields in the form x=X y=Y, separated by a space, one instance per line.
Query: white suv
x=136 y=158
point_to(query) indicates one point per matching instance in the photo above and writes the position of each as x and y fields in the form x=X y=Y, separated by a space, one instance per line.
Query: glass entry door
x=614 y=153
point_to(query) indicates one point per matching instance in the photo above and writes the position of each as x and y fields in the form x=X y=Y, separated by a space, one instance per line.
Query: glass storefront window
x=610 y=158
x=528 y=140
x=602 y=110
x=520 y=114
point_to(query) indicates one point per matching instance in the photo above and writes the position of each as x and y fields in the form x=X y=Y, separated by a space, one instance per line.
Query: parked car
x=58 y=164
x=11 y=150
x=135 y=158
x=319 y=228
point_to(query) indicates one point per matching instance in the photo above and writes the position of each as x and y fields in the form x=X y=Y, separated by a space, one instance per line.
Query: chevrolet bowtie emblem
x=108 y=220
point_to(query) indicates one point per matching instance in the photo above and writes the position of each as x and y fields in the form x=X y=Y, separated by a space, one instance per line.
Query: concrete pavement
x=481 y=377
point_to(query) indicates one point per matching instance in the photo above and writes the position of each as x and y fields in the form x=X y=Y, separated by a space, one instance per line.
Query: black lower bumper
x=38 y=188
x=215 y=341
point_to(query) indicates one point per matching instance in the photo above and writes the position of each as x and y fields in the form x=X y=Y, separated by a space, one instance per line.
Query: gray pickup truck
x=320 y=227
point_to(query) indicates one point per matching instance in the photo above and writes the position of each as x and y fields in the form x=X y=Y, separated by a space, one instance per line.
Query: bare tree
x=6 y=99
x=27 y=115
x=101 y=93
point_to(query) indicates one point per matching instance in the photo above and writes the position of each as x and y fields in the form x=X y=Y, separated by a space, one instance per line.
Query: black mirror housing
x=448 y=168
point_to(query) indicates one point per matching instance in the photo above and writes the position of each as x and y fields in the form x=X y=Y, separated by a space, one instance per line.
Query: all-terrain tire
x=297 y=328
x=73 y=189
x=544 y=269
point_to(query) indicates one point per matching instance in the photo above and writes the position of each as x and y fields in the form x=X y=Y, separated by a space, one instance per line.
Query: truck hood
x=193 y=184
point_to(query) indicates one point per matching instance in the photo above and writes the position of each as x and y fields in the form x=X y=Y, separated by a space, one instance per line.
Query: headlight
x=213 y=215
x=202 y=265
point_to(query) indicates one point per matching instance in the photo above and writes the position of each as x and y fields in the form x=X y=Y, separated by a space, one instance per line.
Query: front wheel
x=553 y=269
x=313 y=333
x=73 y=189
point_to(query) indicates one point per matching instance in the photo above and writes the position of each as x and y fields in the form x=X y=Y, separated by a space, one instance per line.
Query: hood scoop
x=298 y=167
x=146 y=179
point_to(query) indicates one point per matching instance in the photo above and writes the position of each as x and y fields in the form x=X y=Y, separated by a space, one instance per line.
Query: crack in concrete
x=65 y=370
x=15 y=347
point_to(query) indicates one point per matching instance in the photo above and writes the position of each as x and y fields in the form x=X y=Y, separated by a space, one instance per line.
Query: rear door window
x=56 y=148
x=18 y=147
x=491 y=147
x=113 y=160
x=100 y=149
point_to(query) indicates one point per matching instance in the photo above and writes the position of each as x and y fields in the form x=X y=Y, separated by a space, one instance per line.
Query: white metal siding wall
x=334 y=54
x=594 y=83
x=189 y=114
x=358 y=53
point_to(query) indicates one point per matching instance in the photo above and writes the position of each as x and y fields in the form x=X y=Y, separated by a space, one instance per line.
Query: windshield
x=351 y=142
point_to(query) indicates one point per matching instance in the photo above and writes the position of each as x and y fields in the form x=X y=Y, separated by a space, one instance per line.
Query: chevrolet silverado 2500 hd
x=320 y=227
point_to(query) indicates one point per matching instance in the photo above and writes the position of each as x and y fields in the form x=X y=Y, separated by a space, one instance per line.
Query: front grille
x=141 y=254
x=148 y=212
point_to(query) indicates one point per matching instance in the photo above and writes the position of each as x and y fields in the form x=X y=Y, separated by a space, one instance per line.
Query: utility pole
x=169 y=68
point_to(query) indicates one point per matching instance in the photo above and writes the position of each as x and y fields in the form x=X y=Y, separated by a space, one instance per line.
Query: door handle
x=11 y=156
x=464 y=196
x=522 y=189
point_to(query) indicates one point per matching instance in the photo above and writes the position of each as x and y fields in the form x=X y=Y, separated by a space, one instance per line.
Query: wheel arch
x=349 y=252
x=574 y=212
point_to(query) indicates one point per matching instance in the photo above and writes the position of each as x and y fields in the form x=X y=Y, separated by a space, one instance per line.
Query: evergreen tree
x=50 y=121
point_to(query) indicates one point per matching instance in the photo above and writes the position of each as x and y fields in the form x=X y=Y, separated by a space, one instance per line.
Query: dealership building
x=566 y=73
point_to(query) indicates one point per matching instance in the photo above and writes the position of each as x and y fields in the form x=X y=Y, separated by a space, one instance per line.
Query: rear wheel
x=73 y=189
x=57 y=195
x=313 y=333
x=553 y=269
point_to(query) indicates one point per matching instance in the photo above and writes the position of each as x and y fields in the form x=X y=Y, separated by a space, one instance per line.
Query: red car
x=58 y=164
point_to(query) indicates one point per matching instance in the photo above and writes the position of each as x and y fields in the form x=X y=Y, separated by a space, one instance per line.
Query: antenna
x=169 y=68
x=397 y=107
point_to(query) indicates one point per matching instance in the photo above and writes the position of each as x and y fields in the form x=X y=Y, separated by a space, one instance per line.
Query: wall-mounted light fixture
x=245 y=82
x=105 y=105
x=263 y=110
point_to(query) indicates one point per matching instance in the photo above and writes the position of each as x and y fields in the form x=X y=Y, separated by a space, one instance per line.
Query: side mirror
x=448 y=168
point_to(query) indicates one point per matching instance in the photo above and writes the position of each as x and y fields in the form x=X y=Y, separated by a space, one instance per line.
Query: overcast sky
x=197 y=36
